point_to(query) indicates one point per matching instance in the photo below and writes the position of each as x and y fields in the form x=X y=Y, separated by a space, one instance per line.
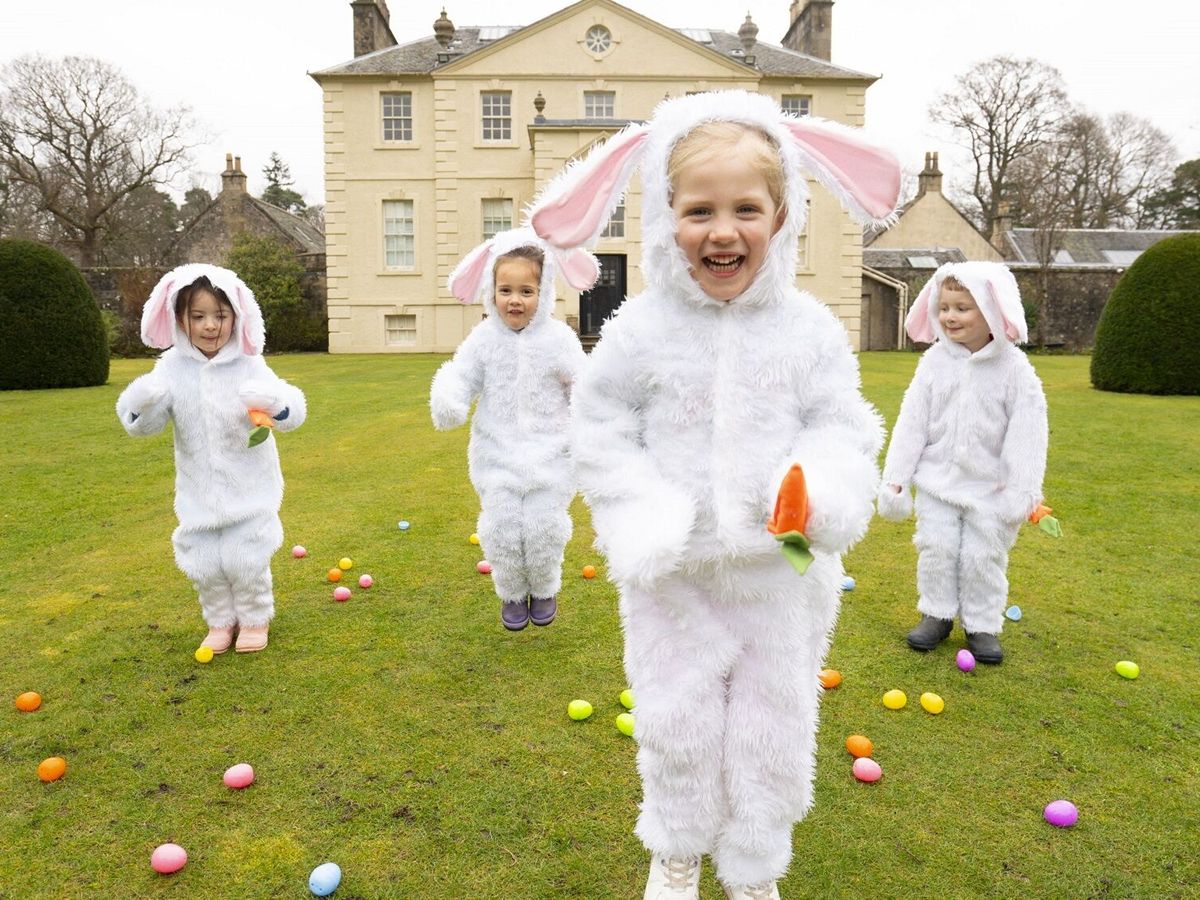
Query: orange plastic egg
x=29 y=701
x=830 y=678
x=859 y=746
x=589 y=571
x=334 y=574
x=52 y=769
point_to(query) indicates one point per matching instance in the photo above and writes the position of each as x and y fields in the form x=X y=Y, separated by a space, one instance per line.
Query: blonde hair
x=712 y=140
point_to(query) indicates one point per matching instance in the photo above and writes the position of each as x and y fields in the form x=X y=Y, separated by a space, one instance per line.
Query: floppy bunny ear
x=1012 y=314
x=249 y=321
x=916 y=323
x=158 y=318
x=467 y=277
x=579 y=268
x=575 y=207
x=864 y=177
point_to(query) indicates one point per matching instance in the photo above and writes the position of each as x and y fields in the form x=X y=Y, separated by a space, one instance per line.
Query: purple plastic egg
x=1061 y=813
x=965 y=659
x=168 y=858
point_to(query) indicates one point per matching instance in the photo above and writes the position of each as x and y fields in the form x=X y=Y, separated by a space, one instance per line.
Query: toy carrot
x=1042 y=519
x=263 y=424
x=791 y=518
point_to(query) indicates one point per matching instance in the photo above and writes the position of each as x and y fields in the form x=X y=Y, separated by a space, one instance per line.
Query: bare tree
x=76 y=131
x=1001 y=109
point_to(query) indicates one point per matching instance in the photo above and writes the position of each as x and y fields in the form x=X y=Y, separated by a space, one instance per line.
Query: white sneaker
x=673 y=878
x=766 y=890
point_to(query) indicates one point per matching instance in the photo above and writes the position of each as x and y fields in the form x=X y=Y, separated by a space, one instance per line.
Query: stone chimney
x=811 y=31
x=371 y=29
x=930 y=179
x=1001 y=226
x=233 y=180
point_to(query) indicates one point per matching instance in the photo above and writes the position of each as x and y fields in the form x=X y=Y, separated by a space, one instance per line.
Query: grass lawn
x=406 y=737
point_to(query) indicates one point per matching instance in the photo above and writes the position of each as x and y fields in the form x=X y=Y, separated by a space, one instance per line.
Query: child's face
x=962 y=320
x=517 y=283
x=209 y=323
x=724 y=221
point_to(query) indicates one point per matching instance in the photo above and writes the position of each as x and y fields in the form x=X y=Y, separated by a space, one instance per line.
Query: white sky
x=242 y=66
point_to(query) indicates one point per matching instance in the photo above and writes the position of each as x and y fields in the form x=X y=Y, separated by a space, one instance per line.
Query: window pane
x=616 y=224
x=400 y=330
x=397 y=117
x=497 y=216
x=598 y=104
x=398 y=234
x=497 y=115
x=796 y=104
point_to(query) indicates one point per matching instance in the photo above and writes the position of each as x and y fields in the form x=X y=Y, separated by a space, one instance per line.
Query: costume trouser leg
x=546 y=525
x=500 y=536
x=983 y=572
x=939 y=538
x=231 y=568
x=725 y=679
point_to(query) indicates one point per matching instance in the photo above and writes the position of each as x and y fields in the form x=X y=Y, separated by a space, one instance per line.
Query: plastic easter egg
x=866 y=769
x=483 y=567
x=1013 y=613
x=29 y=701
x=830 y=678
x=589 y=572
x=345 y=563
x=299 y=552
x=932 y=703
x=627 y=698
x=965 y=660
x=403 y=526
x=239 y=776
x=1061 y=813
x=474 y=540
x=895 y=699
x=204 y=654
x=168 y=858
x=341 y=594
x=859 y=745
x=1127 y=668
x=325 y=879
x=848 y=583
x=579 y=710
x=52 y=768
x=334 y=575
x=625 y=723
x=365 y=581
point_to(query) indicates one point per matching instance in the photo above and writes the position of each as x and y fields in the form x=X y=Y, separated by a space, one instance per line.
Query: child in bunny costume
x=227 y=494
x=971 y=436
x=521 y=363
x=701 y=394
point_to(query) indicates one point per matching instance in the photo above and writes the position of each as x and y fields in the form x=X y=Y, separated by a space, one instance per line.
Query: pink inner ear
x=161 y=330
x=917 y=322
x=1011 y=331
x=574 y=218
x=870 y=174
x=468 y=277
x=243 y=324
x=579 y=268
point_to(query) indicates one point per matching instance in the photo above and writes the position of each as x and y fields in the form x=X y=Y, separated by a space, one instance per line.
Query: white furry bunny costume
x=518 y=454
x=971 y=436
x=687 y=418
x=227 y=494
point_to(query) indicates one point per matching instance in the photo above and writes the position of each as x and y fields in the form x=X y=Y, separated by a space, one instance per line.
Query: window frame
x=384 y=119
x=807 y=103
x=489 y=120
x=611 y=104
x=411 y=235
x=483 y=215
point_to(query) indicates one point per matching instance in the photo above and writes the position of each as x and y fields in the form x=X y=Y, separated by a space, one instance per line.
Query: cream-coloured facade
x=430 y=144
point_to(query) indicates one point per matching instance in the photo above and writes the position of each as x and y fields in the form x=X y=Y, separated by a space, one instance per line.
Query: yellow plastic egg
x=895 y=699
x=345 y=563
x=204 y=654
x=474 y=539
x=932 y=703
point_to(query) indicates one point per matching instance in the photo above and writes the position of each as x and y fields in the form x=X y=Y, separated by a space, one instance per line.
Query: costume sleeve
x=837 y=445
x=642 y=521
x=457 y=383
x=283 y=402
x=144 y=407
x=1025 y=444
x=909 y=437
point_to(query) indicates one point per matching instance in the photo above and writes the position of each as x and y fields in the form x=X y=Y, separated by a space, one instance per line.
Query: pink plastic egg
x=866 y=769
x=965 y=659
x=365 y=581
x=168 y=858
x=239 y=776
x=341 y=594
x=483 y=567
x=1061 y=813
x=299 y=552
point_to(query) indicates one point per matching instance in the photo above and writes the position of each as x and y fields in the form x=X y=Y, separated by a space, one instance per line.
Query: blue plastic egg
x=324 y=879
x=848 y=583
x=403 y=525
x=1014 y=613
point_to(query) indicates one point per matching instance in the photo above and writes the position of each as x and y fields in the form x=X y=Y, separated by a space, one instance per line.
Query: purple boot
x=514 y=616
x=543 y=609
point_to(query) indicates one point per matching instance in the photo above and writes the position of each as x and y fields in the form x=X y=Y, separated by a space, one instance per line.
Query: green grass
x=404 y=736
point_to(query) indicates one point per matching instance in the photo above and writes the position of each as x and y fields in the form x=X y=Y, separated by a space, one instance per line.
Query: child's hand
x=257 y=395
x=893 y=502
x=144 y=394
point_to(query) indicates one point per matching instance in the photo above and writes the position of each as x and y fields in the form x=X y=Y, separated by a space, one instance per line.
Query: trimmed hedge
x=1148 y=339
x=51 y=333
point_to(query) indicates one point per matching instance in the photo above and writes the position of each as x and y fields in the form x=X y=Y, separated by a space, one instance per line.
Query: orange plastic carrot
x=1040 y=513
x=263 y=424
x=258 y=417
x=791 y=506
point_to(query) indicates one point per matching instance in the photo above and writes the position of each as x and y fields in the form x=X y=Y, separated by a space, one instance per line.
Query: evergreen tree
x=279 y=186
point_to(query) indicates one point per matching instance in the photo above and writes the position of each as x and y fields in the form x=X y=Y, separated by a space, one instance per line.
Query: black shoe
x=929 y=633
x=985 y=647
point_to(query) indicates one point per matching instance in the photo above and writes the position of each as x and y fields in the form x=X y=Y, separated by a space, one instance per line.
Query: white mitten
x=259 y=395
x=447 y=414
x=892 y=504
x=144 y=394
x=644 y=542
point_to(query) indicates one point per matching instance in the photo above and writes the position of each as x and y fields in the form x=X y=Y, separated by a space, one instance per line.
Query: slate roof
x=899 y=259
x=1087 y=246
x=299 y=231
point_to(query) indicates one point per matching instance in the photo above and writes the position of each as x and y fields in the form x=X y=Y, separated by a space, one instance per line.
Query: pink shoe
x=218 y=639
x=252 y=639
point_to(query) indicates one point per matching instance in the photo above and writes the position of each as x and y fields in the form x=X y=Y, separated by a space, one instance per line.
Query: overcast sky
x=241 y=65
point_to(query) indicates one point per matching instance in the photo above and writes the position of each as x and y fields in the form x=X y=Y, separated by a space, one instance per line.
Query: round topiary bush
x=1148 y=338
x=51 y=334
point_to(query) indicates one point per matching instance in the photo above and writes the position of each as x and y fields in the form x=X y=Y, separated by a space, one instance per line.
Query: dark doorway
x=880 y=310
x=602 y=300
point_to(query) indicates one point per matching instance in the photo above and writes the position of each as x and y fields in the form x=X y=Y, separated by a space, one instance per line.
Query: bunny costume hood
x=161 y=329
x=995 y=292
